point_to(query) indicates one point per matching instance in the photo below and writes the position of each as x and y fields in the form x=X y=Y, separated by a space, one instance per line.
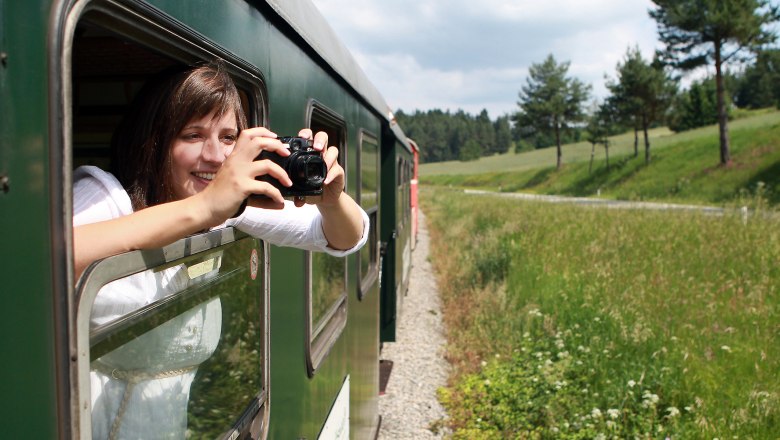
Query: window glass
x=178 y=350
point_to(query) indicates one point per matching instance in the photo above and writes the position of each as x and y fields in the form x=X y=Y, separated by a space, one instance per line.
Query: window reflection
x=177 y=351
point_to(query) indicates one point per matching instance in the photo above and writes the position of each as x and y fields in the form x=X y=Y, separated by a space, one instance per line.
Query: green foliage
x=759 y=87
x=696 y=107
x=573 y=322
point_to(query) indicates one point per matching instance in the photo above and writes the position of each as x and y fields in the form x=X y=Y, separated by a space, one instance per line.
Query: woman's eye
x=229 y=139
x=191 y=136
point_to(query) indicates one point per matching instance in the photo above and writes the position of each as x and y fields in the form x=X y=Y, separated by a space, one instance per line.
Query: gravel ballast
x=409 y=407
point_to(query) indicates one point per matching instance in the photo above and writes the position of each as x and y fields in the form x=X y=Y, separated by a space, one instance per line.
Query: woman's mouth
x=204 y=176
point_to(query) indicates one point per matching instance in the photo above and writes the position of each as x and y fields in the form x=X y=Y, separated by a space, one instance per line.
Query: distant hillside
x=684 y=167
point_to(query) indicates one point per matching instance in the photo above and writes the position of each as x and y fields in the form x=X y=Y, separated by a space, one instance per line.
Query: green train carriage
x=298 y=353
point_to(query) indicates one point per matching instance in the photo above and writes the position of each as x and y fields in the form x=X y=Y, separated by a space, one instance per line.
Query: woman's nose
x=213 y=151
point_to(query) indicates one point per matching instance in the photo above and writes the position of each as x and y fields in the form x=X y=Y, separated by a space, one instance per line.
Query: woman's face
x=199 y=150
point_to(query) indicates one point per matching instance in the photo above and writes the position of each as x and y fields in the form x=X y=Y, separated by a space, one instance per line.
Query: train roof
x=309 y=23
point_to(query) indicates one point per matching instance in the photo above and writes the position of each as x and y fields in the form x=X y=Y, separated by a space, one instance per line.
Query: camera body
x=305 y=167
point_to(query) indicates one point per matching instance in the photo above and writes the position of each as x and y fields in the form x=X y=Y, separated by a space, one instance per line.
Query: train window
x=172 y=342
x=368 y=199
x=327 y=275
x=175 y=342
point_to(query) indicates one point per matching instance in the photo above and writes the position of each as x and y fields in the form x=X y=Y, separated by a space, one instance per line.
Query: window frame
x=152 y=29
x=369 y=278
x=322 y=336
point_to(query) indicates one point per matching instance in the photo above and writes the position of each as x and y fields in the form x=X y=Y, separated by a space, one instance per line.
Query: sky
x=475 y=55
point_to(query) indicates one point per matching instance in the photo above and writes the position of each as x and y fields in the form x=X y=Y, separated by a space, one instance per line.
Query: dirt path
x=409 y=407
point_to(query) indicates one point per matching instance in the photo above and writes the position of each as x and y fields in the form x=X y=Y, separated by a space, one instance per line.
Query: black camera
x=305 y=167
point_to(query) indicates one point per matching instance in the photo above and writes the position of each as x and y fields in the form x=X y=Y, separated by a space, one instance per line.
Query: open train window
x=171 y=342
x=327 y=275
x=368 y=198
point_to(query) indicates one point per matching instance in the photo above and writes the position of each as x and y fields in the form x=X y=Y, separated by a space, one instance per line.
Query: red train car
x=413 y=189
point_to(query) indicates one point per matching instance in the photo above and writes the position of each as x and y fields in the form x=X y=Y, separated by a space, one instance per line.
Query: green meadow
x=683 y=167
x=576 y=322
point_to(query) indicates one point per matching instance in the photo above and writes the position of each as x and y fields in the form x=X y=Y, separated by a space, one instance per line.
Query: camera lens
x=309 y=170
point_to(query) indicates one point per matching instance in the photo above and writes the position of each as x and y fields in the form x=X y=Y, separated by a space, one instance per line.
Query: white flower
x=596 y=413
x=613 y=413
x=673 y=412
x=726 y=348
x=631 y=384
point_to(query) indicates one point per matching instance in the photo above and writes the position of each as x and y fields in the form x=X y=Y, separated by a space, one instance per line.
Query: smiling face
x=199 y=150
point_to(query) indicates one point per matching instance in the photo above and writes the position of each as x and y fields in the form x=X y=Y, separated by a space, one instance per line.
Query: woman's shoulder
x=98 y=196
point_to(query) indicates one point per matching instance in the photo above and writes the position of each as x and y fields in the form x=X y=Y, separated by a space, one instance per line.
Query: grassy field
x=684 y=167
x=574 y=322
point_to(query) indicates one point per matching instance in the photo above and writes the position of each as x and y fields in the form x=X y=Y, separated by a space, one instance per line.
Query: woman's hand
x=334 y=183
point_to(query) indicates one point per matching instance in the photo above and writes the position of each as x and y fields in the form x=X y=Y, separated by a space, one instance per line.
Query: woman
x=185 y=162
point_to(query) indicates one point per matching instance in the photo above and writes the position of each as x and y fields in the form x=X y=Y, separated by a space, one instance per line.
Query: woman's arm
x=149 y=228
x=163 y=224
x=342 y=218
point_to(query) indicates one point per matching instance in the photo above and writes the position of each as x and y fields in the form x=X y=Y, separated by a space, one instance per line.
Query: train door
x=391 y=234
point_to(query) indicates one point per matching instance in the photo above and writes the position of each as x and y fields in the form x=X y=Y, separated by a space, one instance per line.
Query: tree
x=695 y=107
x=503 y=134
x=550 y=101
x=643 y=93
x=602 y=123
x=711 y=32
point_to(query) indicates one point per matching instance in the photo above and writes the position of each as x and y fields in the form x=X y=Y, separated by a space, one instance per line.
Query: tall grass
x=573 y=322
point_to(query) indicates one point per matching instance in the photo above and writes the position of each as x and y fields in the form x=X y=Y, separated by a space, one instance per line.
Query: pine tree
x=550 y=101
x=711 y=32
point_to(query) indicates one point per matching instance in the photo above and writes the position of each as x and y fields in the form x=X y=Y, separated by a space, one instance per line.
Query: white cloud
x=458 y=54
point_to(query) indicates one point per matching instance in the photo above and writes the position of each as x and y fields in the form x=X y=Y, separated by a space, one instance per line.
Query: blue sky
x=470 y=55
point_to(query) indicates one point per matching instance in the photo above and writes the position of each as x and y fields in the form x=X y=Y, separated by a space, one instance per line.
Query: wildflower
x=650 y=399
x=613 y=413
x=487 y=381
x=631 y=384
x=726 y=348
x=600 y=437
x=596 y=413
x=673 y=412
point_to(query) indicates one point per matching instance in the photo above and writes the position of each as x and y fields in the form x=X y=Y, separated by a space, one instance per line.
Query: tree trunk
x=723 y=117
x=592 y=153
x=606 y=152
x=636 y=141
x=647 y=141
x=558 y=145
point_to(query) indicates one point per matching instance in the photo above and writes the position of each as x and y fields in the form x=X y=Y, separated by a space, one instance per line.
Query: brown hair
x=141 y=158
